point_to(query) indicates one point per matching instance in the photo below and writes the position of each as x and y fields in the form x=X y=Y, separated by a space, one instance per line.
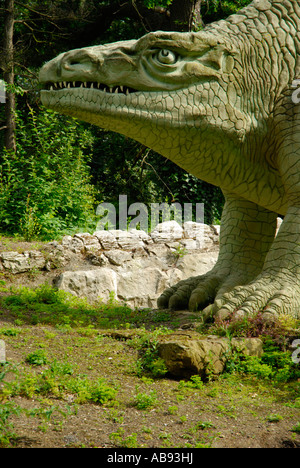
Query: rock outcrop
x=134 y=266
x=137 y=267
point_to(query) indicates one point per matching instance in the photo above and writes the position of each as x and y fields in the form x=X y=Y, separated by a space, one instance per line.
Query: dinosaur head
x=143 y=87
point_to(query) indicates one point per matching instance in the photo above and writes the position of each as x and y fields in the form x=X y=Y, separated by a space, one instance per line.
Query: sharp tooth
x=122 y=88
x=98 y=85
x=51 y=88
x=69 y=85
x=92 y=86
x=81 y=86
x=127 y=92
x=74 y=84
x=117 y=90
x=65 y=84
x=85 y=84
x=110 y=90
x=60 y=84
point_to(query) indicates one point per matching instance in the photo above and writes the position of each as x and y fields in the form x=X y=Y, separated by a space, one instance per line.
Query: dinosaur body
x=219 y=104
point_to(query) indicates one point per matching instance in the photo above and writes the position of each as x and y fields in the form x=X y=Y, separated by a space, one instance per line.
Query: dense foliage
x=45 y=188
x=63 y=168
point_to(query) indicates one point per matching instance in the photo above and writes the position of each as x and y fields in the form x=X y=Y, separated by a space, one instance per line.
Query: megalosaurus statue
x=219 y=103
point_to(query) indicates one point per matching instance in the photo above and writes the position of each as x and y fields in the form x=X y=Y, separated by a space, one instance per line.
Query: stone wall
x=135 y=266
x=138 y=267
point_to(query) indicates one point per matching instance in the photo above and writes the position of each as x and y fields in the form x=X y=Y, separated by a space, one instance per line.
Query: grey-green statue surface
x=219 y=103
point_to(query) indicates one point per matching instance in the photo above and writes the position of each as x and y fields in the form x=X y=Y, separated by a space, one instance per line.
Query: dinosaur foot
x=221 y=296
x=198 y=292
x=270 y=294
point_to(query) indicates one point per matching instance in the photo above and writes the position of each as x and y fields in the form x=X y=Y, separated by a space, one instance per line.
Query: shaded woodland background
x=54 y=170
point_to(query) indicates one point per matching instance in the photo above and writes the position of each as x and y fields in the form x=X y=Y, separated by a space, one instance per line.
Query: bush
x=45 y=187
x=274 y=364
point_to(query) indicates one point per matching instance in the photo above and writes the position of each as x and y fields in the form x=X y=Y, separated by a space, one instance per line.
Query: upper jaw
x=63 y=85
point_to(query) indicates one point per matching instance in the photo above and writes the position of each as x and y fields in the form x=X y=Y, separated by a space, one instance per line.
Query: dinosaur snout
x=97 y=63
x=78 y=64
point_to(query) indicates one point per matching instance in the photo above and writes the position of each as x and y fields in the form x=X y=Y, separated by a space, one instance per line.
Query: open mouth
x=56 y=86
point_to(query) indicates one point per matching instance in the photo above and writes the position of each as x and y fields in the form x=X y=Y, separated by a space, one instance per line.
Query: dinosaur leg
x=247 y=233
x=276 y=290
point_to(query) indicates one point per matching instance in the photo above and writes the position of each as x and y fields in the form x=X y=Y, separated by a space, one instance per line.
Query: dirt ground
x=231 y=411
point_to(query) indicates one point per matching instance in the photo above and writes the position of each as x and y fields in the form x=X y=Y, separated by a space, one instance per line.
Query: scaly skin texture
x=219 y=104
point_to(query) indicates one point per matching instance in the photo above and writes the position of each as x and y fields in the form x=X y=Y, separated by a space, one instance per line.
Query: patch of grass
x=120 y=440
x=7 y=434
x=58 y=367
x=173 y=409
x=274 y=418
x=47 y=305
x=9 y=331
x=37 y=358
x=296 y=428
x=145 y=401
x=56 y=380
x=194 y=382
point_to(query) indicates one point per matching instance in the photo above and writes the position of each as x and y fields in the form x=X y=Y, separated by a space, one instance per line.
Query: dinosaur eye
x=167 y=57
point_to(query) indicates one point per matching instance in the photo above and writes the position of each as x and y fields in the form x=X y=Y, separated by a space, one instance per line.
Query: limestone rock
x=131 y=286
x=93 y=284
x=118 y=257
x=140 y=234
x=90 y=243
x=189 y=244
x=22 y=262
x=74 y=244
x=168 y=231
x=140 y=288
x=197 y=264
x=127 y=240
x=188 y=353
x=57 y=256
x=106 y=239
x=206 y=237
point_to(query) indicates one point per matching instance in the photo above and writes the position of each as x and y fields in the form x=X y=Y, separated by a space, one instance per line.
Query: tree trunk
x=185 y=15
x=8 y=52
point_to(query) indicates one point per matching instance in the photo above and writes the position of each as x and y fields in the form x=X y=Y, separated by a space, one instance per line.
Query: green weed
x=149 y=360
x=194 y=382
x=296 y=428
x=119 y=440
x=144 y=401
x=7 y=410
x=37 y=358
x=274 y=418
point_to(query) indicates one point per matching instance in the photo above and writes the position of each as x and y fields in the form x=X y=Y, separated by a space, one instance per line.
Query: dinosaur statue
x=219 y=103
